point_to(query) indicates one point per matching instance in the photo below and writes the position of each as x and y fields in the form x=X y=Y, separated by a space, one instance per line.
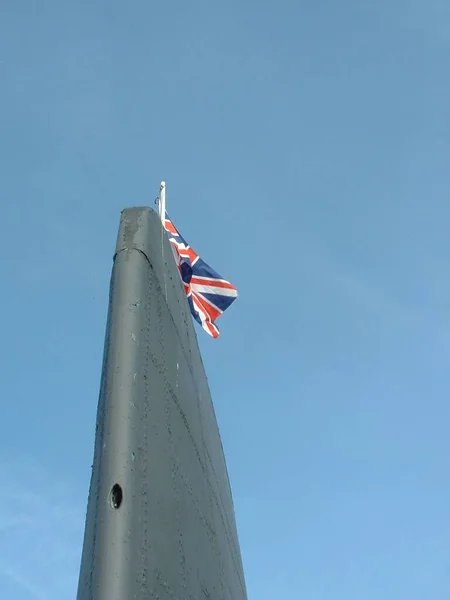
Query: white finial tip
x=163 y=184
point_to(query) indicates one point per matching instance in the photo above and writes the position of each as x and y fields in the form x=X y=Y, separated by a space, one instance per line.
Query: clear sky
x=306 y=149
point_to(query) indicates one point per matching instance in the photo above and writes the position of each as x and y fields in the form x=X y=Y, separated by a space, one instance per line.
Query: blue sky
x=306 y=149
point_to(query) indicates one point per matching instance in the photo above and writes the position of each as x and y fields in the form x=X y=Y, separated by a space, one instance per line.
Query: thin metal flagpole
x=162 y=202
x=162 y=216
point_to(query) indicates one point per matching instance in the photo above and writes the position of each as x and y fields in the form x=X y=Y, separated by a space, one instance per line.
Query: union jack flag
x=208 y=294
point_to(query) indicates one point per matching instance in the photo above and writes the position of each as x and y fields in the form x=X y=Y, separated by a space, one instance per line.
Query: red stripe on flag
x=168 y=226
x=206 y=322
x=209 y=308
x=213 y=282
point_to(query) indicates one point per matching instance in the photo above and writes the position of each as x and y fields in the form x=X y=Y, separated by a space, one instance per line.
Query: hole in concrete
x=116 y=496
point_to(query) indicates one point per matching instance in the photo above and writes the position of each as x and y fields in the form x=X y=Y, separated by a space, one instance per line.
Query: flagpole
x=162 y=202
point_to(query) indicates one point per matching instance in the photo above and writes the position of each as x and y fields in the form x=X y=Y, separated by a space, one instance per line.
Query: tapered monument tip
x=136 y=210
x=137 y=225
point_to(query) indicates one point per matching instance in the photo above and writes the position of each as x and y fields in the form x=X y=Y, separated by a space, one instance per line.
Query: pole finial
x=162 y=202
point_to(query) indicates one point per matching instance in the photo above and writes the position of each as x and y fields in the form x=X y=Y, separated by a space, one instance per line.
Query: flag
x=208 y=294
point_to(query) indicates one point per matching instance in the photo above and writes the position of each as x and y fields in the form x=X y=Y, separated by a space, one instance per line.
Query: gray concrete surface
x=167 y=530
